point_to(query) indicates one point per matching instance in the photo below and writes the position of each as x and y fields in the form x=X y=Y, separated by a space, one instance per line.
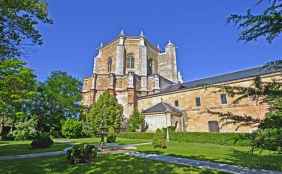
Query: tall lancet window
x=109 y=64
x=130 y=61
x=150 y=66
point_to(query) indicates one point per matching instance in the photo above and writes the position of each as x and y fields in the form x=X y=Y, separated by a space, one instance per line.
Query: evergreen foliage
x=159 y=140
x=136 y=121
x=268 y=136
x=111 y=137
x=267 y=24
x=106 y=113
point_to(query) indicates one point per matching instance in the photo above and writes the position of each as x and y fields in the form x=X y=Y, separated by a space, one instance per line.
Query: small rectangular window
x=176 y=103
x=198 y=101
x=213 y=126
x=223 y=98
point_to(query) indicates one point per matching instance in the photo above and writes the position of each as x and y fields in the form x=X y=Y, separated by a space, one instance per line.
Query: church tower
x=167 y=63
x=130 y=67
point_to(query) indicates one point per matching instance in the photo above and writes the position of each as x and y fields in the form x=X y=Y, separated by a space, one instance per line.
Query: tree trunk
x=2 y=128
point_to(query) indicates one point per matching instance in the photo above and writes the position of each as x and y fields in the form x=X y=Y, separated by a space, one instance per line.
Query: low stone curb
x=201 y=164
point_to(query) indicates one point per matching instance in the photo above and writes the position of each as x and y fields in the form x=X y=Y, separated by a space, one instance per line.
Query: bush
x=72 y=129
x=196 y=137
x=111 y=137
x=87 y=129
x=41 y=140
x=136 y=135
x=270 y=139
x=159 y=140
x=135 y=121
x=81 y=154
x=25 y=130
x=212 y=138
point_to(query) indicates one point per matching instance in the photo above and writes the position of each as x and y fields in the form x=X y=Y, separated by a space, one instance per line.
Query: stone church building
x=143 y=77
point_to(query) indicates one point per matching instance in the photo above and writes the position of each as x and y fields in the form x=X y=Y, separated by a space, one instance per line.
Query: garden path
x=201 y=164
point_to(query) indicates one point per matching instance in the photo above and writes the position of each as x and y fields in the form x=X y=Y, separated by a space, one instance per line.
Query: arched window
x=150 y=66
x=109 y=64
x=130 y=61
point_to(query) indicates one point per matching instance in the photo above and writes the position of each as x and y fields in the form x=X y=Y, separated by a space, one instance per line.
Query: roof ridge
x=226 y=73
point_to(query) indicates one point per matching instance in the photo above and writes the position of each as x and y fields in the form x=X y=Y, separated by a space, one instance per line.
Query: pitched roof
x=161 y=107
x=247 y=73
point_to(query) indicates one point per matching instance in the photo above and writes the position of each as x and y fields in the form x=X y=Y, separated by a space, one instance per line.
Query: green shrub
x=81 y=154
x=72 y=129
x=212 y=138
x=196 y=137
x=136 y=135
x=270 y=139
x=25 y=130
x=135 y=122
x=111 y=137
x=41 y=140
x=159 y=140
x=87 y=129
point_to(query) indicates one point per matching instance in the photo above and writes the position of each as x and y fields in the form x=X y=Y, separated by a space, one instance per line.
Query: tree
x=57 y=99
x=106 y=112
x=17 y=87
x=18 y=25
x=267 y=24
x=135 y=121
x=72 y=128
x=269 y=133
x=66 y=93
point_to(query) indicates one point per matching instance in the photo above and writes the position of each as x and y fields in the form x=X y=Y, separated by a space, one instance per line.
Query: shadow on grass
x=257 y=160
x=25 y=148
x=240 y=158
x=110 y=164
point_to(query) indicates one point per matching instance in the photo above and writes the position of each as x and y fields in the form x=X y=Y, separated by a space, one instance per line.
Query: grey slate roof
x=248 y=73
x=161 y=107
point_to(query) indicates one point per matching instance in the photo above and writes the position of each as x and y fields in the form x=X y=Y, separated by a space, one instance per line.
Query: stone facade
x=129 y=67
x=141 y=76
x=197 y=118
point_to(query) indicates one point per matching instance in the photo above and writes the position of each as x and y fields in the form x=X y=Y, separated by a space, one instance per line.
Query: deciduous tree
x=19 y=21
x=17 y=87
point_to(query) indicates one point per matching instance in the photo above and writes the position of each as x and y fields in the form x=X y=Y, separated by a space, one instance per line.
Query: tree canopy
x=266 y=24
x=17 y=87
x=19 y=21
x=106 y=112
x=269 y=133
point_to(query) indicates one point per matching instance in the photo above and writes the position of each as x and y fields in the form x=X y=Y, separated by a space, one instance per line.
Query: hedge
x=196 y=137
x=136 y=135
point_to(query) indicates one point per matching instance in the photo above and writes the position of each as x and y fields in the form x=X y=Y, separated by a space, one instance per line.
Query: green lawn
x=97 y=140
x=110 y=164
x=23 y=147
x=227 y=154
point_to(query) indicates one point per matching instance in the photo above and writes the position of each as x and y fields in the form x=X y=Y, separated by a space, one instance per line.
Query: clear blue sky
x=206 y=44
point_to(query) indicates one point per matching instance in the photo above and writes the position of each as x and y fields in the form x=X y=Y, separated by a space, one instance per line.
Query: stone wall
x=196 y=118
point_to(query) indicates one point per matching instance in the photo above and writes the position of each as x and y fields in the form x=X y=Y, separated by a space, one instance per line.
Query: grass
x=23 y=147
x=110 y=164
x=238 y=155
x=97 y=140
